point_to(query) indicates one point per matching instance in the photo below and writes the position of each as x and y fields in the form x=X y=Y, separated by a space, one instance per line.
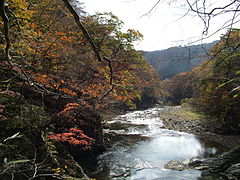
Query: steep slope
x=174 y=60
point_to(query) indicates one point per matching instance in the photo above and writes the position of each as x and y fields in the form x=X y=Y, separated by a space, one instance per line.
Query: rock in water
x=177 y=165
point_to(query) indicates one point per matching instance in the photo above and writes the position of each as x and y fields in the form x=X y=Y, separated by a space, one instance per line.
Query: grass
x=184 y=113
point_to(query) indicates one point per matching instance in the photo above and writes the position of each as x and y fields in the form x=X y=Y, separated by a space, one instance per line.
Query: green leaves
x=15 y=161
x=17 y=135
x=236 y=95
x=238 y=73
x=8 y=163
x=223 y=84
x=235 y=29
x=236 y=89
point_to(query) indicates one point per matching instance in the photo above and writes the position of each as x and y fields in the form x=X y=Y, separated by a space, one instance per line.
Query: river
x=141 y=145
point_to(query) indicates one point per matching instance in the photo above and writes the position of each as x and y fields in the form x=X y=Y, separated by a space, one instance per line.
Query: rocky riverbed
x=225 y=165
x=140 y=145
x=186 y=120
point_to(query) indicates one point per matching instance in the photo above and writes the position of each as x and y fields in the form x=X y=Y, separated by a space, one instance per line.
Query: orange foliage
x=51 y=83
x=75 y=137
x=56 y=48
x=68 y=108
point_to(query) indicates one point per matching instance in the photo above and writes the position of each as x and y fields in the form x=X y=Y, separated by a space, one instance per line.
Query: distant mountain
x=174 y=60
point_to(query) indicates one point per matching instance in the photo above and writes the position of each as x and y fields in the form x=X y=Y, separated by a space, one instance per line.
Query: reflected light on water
x=144 y=146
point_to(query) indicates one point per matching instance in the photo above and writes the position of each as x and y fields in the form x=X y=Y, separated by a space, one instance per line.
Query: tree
x=101 y=57
x=218 y=91
x=59 y=69
x=178 y=87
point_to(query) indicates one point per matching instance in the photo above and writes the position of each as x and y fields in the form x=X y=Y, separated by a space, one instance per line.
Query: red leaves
x=75 y=137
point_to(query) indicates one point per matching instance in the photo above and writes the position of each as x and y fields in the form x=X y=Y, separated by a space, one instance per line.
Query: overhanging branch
x=83 y=29
x=87 y=36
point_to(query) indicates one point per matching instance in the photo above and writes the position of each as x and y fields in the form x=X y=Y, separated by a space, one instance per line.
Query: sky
x=166 y=26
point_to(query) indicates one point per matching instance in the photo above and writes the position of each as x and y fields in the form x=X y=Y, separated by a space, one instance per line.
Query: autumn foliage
x=219 y=85
x=74 y=137
x=213 y=86
x=52 y=62
x=51 y=80
x=58 y=59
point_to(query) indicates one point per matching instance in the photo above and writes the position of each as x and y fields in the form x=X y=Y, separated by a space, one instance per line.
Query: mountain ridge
x=174 y=60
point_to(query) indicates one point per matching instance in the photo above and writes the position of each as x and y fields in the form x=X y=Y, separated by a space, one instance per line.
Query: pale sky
x=163 y=28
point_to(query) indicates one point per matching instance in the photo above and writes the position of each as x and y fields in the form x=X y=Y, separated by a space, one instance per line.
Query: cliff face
x=174 y=60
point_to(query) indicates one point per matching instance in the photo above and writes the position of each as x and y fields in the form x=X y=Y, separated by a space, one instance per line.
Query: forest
x=65 y=72
x=213 y=86
x=57 y=76
x=172 y=61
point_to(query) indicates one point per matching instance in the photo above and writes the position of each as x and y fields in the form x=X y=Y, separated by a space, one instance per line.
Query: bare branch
x=211 y=12
x=110 y=68
x=105 y=95
x=155 y=5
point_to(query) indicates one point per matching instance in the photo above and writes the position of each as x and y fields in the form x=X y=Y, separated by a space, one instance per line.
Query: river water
x=141 y=145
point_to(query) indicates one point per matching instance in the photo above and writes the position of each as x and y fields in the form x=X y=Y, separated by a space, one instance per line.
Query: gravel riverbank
x=186 y=120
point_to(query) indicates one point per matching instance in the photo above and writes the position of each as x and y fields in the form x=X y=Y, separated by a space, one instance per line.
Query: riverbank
x=186 y=119
x=140 y=146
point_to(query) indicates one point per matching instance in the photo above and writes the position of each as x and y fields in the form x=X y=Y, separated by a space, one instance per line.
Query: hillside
x=175 y=60
x=56 y=85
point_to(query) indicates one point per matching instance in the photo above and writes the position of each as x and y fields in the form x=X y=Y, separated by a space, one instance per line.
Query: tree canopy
x=59 y=69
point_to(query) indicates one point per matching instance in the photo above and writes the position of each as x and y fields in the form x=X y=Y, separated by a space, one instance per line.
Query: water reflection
x=142 y=147
x=164 y=148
